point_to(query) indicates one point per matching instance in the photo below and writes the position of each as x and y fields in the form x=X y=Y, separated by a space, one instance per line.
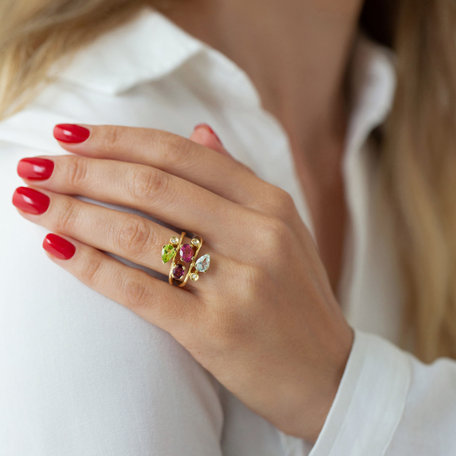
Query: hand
x=263 y=319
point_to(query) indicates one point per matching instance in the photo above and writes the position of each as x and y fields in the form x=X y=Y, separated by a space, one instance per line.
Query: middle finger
x=167 y=197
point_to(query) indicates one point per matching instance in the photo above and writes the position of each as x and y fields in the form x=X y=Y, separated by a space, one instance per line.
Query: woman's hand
x=263 y=319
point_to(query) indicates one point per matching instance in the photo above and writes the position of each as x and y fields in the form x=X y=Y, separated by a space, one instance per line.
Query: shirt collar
x=147 y=48
x=373 y=85
x=151 y=46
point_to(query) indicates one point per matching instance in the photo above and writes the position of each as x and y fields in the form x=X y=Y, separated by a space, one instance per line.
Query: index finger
x=167 y=151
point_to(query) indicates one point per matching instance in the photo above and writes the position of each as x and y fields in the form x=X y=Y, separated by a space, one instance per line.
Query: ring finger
x=127 y=235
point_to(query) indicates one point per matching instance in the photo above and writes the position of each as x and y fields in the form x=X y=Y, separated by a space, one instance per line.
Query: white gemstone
x=195 y=242
x=202 y=264
x=194 y=276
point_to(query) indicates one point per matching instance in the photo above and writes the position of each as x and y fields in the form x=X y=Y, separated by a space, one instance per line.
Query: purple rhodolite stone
x=178 y=271
x=186 y=253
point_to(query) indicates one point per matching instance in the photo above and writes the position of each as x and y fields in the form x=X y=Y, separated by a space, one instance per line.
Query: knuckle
x=246 y=167
x=282 y=203
x=147 y=183
x=177 y=152
x=91 y=271
x=67 y=218
x=286 y=201
x=77 y=172
x=135 y=292
x=176 y=148
x=109 y=136
x=274 y=234
x=135 y=236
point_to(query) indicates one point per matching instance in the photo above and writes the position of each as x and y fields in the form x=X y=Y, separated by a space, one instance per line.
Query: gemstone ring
x=184 y=258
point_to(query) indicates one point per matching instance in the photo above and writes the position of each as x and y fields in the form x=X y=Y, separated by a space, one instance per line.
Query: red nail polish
x=58 y=247
x=35 y=168
x=71 y=133
x=30 y=200
x=209 y=129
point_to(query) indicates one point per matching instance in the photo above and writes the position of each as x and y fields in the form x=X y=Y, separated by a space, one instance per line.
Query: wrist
x=326 y=395
x=315 y=409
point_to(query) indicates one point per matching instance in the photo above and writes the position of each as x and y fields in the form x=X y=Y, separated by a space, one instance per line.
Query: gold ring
x=183 y=255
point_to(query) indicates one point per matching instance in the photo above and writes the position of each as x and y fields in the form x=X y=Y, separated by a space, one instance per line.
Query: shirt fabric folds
x=81 y=375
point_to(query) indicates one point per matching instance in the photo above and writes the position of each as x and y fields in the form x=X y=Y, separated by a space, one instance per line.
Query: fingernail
x=71 y=133
x=58 y=247
x=35 y=168
x=210 y=130
x=30 y=200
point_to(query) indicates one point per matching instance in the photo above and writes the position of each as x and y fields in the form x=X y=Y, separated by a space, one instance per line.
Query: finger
x=279 y=205
x=172 y=153
x=168 y=198
x=171 y=308
x=127 y=235
x=204 y=135
x=273 y=201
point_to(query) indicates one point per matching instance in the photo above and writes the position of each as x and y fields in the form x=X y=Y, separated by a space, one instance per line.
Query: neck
x=294 y=51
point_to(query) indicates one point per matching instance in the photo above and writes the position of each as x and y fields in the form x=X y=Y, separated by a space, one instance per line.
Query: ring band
x=183 y=254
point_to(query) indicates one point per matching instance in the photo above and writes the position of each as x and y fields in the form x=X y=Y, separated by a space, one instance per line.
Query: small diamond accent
x=195 y=242
x=194 y=276
x=174 y=240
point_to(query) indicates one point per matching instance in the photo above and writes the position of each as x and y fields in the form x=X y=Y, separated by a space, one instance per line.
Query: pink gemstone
x=178 y=271
x=186 y=253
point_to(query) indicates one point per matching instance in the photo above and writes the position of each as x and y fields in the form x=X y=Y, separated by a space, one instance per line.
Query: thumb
x=204 y=135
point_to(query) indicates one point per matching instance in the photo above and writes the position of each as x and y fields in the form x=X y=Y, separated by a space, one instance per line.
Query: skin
x=277 y=339
x=296 y=54
x=272 y=332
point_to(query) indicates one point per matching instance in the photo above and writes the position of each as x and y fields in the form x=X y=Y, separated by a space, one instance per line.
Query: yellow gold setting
x=192 y=272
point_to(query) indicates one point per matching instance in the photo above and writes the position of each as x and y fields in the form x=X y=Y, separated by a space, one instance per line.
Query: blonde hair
x=417 y=173
x=417 y=163
x=34 y=34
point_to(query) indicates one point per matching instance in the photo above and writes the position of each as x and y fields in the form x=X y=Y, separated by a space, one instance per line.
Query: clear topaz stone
x=202 y=264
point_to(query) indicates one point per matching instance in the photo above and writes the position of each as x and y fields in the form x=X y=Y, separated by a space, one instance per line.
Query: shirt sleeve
x=389 y=403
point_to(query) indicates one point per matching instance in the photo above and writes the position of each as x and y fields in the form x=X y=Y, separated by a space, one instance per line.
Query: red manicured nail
x=209 y=129
x=35 y=168
x=71 y=133
x=30 y=200
x=58 y=247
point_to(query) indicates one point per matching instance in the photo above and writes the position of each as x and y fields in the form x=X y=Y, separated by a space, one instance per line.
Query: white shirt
x=82 y=375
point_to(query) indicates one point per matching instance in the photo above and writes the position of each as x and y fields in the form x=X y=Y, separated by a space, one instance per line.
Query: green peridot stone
x=168 y=252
